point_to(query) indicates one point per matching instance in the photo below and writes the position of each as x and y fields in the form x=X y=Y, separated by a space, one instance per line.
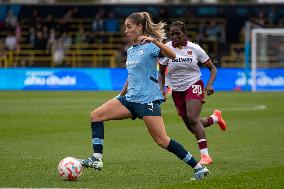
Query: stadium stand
x=92 y=36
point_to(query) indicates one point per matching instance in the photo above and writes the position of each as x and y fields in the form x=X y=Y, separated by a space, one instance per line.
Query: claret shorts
x=195 y=91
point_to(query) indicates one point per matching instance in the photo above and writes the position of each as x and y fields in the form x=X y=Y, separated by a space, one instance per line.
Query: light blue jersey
x=143 y=86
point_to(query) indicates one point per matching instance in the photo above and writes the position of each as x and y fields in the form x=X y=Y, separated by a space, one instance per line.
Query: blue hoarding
x=114 y=78
x=62 y=79
x=235 y=79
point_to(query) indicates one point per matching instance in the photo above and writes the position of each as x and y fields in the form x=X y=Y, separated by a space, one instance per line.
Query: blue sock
x=181 y=153
x=97 y=137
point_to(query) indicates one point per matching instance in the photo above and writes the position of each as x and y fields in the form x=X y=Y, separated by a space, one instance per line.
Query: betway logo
x=182 y=60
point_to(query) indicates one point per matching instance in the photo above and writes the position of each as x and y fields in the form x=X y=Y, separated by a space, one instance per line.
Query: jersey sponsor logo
x=131 y=63
x=182 y=60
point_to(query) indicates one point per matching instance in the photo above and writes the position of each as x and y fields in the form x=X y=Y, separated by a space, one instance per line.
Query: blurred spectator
x=58 y=52
x=32 y=36
x=40 y=45
x=18 y=31
x=278 y=49
x=36 y=20
x=2 y=50
x=38 y=26
x=273 y=16
x=51 y=39
x=45 y=32
x=67 y=19
x=238 y=52
x=201 y=33
x=68 y=16
x=280 y=56
x=66 y=40
x=36 y=17
x=111 y=23
x=81 y=36
x=10 y=41
x=60 y=49
x=3 y=54
x=261 y=19
x=98 y=22
x=50 y=22
x=242 y=34
x=40 y=41
x=11 y=19
x=214 y=32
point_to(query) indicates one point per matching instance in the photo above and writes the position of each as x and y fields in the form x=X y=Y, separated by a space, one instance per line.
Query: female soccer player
x=187 y=87
x=141 y=95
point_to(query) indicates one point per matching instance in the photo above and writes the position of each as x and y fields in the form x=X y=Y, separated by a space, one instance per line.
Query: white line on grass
x=252 y=108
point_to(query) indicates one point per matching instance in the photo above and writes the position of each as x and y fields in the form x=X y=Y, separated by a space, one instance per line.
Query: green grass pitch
x=38 y=129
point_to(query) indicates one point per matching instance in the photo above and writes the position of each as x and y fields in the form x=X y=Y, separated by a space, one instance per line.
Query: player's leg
x=98 y=116
x=194 y=107
x=179 y=99
x=186 y=122
x=156 y=128
x=216 y=117
x=207 y=121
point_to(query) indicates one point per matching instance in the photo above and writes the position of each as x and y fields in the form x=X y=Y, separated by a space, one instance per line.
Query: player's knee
x=95 y=116
x=193 y=120
x=203 y=121
x=162 y=142
x=190 y=128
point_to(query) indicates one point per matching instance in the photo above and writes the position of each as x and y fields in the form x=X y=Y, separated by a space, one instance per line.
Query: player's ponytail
x=149 y=27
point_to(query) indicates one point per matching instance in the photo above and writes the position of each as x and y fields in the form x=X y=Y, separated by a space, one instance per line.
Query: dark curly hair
x=181 y=25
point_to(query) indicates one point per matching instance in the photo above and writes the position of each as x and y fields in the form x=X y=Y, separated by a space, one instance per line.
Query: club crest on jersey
x=189 y=52
x=141 y=52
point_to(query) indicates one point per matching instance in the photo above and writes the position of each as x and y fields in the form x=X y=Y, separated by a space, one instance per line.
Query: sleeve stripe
x=206 y=61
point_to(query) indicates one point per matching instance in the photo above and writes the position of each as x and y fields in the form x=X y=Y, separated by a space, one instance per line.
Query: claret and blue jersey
x=141 y=64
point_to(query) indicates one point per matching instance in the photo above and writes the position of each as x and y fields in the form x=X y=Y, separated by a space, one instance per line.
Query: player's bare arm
x=213 y=72
x=162 y=70
x=165 y=50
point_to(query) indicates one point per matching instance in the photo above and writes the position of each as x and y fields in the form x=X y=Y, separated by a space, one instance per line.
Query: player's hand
x=144 y=39
x=209 y=90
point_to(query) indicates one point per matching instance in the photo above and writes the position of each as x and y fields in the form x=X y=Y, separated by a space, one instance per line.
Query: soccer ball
x=69 y=168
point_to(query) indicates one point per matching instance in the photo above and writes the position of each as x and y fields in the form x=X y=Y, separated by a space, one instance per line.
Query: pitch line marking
x=253 y=108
